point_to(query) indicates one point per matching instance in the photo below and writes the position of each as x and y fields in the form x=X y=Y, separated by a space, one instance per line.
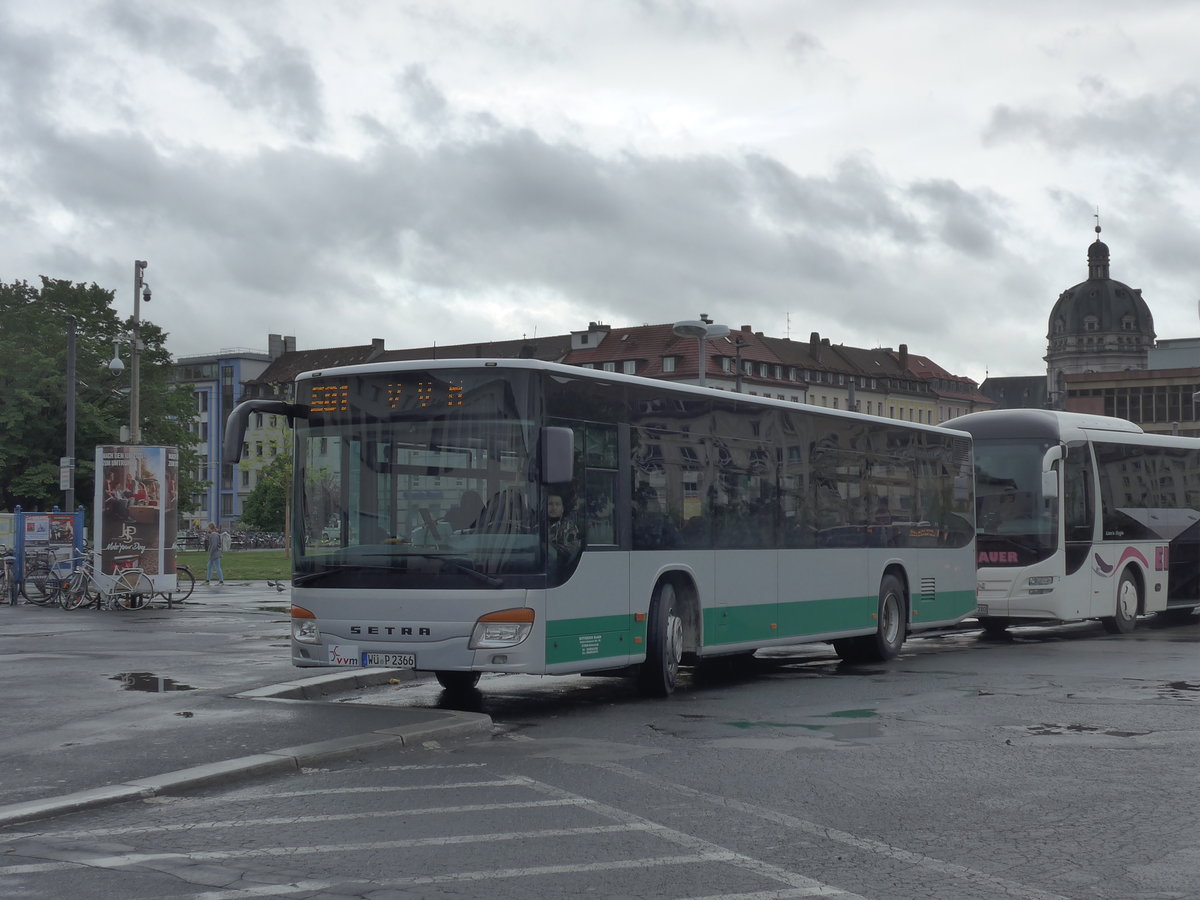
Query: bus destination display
x=333 y=397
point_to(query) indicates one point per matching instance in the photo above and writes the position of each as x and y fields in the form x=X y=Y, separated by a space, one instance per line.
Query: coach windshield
x=1016 y=524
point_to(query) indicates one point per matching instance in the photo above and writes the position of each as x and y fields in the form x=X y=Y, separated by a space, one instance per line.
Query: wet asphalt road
x=92 y=698
x=1058 y=765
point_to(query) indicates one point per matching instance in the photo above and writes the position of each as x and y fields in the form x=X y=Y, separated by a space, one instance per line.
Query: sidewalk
x=101 y=707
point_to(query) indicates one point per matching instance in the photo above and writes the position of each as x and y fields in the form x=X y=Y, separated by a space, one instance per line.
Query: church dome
x=1100 y=305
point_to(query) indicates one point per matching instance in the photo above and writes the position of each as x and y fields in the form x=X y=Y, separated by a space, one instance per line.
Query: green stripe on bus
x=739 y=624
x=574 y=640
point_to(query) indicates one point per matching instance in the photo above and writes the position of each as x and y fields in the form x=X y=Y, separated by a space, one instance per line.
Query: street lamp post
x=701 y=331
x=135 y=353
x=67 y=476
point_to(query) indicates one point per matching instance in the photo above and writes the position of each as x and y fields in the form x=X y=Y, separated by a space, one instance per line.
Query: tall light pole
x=67 y=476
x=701 y=331
x=135 y=353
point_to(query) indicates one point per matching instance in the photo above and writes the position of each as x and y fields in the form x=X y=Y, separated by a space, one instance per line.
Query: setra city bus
x=516 y=516
x=1082 y=517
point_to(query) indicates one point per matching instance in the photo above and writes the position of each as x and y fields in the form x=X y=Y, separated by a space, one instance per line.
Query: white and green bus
x=1083 y=517
x=468 y=516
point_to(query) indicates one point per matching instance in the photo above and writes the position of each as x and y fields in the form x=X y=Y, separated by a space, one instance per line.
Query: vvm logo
x=344 y=655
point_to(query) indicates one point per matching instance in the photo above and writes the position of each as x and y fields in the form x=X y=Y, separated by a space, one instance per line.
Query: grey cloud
x=28 y=64
x=855 y=198
x=277 y=79
x=425 y=99
x=162 y=32
x=1160 y=128
x=685 y=17
x=963 y=220
x=803 y=47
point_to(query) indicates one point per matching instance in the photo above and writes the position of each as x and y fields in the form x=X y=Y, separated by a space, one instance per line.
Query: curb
x=441 y=725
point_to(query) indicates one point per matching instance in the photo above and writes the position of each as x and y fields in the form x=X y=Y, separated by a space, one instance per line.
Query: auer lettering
x=391 y=630
x=991 y=557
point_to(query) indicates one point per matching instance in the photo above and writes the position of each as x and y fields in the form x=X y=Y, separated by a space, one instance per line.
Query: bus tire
x=664 y=643
x=457 y=681
x=1128 y=602
x=890 y=630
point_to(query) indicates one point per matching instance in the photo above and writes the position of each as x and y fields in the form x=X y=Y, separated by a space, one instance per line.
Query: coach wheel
x=664 y=643
x=1128 y=600
x=890 y=629
x=457 y=681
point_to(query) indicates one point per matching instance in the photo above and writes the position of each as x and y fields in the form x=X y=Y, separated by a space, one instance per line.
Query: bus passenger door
x=1079 y=523
x=588 y=622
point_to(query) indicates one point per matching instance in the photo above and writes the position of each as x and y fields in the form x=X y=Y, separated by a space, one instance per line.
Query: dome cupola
x=1098 y=325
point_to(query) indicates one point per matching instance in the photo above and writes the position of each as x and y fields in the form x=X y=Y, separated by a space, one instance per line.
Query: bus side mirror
x=239 y=420
x=1050 y=484
x=1049 y=474
x=558 y=455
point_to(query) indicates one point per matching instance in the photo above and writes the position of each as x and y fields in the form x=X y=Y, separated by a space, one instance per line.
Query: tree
x=265 y=508
x=33 y=388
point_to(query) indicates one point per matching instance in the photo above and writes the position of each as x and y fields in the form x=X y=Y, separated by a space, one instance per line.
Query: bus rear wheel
x=1128 y=600
x=664 y=643
x=457 y=681
x=890 y=631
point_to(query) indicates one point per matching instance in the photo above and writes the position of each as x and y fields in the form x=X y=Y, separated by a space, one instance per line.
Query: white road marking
x=1013 y=889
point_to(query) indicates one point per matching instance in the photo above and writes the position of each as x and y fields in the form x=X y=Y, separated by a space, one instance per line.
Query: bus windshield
x=1015 y=524
x=418 y=480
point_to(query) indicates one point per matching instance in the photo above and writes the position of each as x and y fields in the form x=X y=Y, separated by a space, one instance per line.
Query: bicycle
x=39 y=586
x=185 y=583
x=8 y=584
x=127 y=589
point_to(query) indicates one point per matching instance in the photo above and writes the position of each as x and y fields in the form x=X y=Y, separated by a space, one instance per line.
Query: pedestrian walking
x=216 y=548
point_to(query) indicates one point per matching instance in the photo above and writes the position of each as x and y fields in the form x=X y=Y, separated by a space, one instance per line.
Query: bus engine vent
x=928 y=590
x=962 y=451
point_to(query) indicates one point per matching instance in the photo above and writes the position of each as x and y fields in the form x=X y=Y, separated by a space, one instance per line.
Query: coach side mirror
x=558 y=455
x=1049 y=473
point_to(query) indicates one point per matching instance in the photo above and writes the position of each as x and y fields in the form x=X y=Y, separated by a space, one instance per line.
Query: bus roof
x=1044 y=423
x=612 y=377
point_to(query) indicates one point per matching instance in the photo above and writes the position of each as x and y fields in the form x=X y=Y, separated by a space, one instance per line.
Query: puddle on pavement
x=855 y=723
x=148 y=681
x=1179 y=690
x=1048 y=728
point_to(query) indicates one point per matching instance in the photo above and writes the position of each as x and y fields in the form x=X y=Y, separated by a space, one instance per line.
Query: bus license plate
x=390 y=660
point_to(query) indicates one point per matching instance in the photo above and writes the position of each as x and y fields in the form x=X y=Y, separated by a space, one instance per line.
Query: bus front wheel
x=890 y=629
x=664 y=643
x=1128 y=600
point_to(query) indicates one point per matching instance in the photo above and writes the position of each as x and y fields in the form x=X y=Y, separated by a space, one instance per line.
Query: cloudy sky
x=439 y=171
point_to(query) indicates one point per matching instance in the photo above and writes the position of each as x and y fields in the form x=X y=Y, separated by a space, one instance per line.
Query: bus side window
x=1078 y=501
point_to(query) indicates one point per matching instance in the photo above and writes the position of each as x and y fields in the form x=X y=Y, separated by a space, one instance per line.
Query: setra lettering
x=392 y=630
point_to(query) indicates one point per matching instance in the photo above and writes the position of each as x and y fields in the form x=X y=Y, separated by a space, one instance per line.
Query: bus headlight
x=503 y=628
x=304 y=626
x=1035 y=580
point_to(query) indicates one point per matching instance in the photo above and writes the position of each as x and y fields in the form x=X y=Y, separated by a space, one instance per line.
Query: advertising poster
x=37 y=528
x=135 y=507
x=62 y=529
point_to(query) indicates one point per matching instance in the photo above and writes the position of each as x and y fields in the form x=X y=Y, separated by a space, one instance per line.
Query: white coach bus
x=468 y=516
x=1082 y=517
